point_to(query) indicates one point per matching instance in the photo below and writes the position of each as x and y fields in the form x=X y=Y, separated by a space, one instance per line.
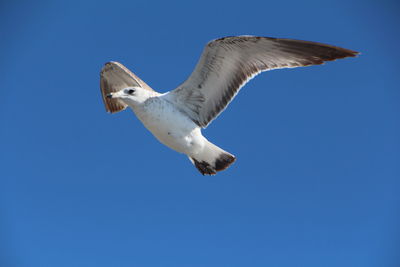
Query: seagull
x=176 y=118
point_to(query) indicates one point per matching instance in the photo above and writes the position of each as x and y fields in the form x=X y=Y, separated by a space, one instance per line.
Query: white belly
x=170 y=126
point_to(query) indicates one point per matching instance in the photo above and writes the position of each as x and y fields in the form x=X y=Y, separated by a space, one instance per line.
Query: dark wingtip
x=343 y=53
x=355 y=53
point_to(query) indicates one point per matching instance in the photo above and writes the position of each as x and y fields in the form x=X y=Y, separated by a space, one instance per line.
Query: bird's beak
x=110 y=96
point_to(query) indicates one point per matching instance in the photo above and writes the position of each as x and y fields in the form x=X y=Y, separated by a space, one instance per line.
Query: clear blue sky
x=317 y=177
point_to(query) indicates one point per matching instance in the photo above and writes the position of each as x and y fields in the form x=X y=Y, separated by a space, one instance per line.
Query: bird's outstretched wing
x=226 y=64
x=114 y=77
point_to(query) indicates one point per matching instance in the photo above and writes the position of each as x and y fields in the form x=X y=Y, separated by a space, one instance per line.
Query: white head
x=131 y=96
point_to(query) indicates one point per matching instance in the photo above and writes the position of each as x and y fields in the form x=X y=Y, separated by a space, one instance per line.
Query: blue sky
x=316 y=181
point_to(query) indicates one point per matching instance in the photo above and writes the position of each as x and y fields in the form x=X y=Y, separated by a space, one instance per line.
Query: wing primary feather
x=114 y=77
x=226 y=64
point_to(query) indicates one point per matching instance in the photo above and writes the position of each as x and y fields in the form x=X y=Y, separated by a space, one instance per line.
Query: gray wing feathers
x=114 y=77
x=228 y=63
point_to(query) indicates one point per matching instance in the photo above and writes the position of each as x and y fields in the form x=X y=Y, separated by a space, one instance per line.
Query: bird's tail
x=212 y=159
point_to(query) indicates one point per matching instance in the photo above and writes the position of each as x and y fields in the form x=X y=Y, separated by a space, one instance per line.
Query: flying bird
x=176 y=118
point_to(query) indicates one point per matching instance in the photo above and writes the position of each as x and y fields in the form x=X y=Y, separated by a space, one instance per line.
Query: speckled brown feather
x=114 y=77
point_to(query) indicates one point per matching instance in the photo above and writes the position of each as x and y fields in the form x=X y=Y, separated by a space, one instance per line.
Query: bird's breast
x=170 y=126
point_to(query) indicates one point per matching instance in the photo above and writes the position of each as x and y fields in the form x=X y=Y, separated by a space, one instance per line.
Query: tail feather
x=212 y=160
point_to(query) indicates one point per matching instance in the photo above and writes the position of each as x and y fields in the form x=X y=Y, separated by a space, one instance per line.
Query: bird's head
x=131 y=95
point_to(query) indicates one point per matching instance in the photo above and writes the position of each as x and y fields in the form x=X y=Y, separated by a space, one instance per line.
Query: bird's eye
x=130 y=91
